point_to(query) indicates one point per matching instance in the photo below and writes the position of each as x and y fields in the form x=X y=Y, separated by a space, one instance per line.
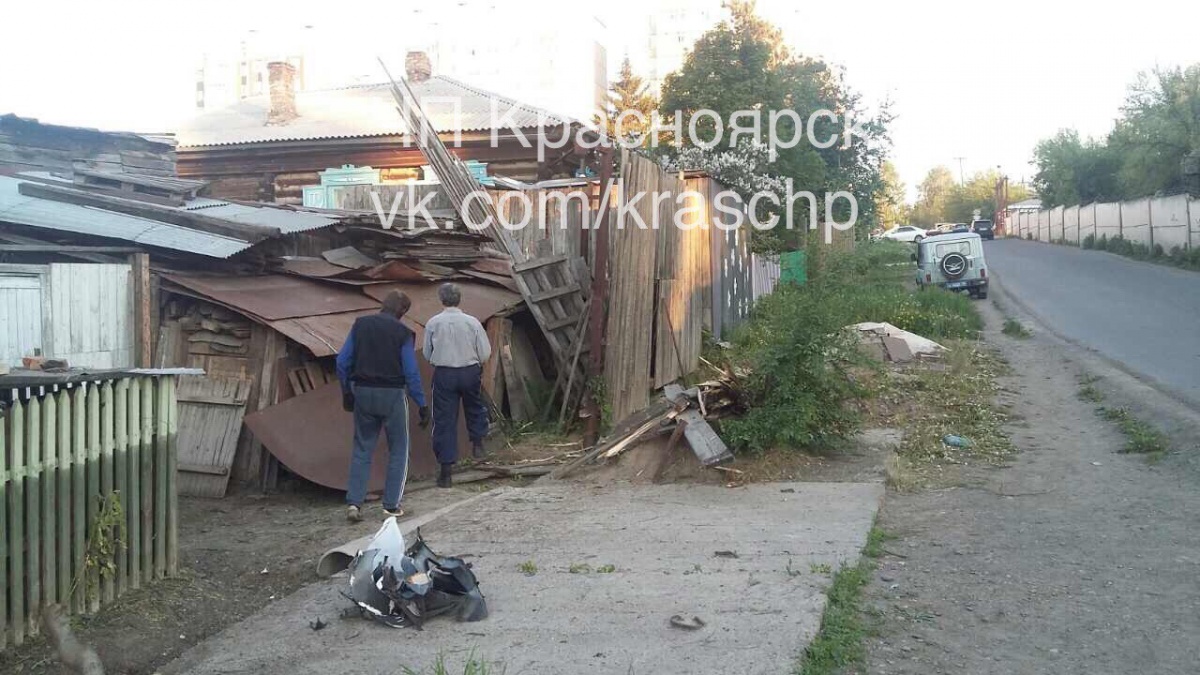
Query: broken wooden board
x=706 y=444
x=518 y=404
x=210 y=420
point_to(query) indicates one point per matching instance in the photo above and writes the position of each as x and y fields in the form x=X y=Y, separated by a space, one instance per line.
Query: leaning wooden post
x=16 y=524
x=33 y=513
x=79 y=498
x=49 y=500
x=133 y=499
x=161 y=430
x=120 y=486
x=147 y=479
x=172 y=479
x=4 y=522
x=107 y=431
x=66 y=460
x=93 y=491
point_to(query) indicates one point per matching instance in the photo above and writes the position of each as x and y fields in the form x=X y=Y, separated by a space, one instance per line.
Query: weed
x=472 y=666
x=1140 y=437
x=838 y=646
x=606 y=569
x=799 y=356
x=899 y=474
x=528 y=568
x=106 y=537
x=1013 y=328
x=792 y=572
x=1090 y=394
x=820 y=568
x=876 y=538
x=580 y=568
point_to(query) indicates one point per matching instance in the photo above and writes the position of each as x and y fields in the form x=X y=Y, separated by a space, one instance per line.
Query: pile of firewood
x=212 y=330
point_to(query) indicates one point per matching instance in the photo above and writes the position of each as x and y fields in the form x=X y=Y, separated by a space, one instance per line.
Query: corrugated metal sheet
x=479 y=300
x=286 y=220
x=273 y=297
x=91 y=315
x=361 y=111
x=52 y=215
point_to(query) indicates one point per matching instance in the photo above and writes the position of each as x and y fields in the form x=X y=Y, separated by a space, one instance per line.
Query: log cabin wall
x=277 y=171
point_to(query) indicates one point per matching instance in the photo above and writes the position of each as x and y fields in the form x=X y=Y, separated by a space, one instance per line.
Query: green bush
x=1089 y=242
x=798 y=354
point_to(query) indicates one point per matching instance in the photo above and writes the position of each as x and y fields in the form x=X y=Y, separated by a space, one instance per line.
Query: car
x=953 y=261
x=960 y=227
x=940 y=228
x=905 y=233
x=984 y=229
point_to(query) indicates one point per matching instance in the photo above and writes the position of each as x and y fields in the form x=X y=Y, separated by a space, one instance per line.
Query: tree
x=1160 y=125
x=743 y=65
x=890 y=206
x=1073 y=171
x=1158 y=129
x=933 y=194
x=631 y=108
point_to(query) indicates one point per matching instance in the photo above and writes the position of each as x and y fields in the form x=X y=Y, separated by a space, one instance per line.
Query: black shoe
x=443 y=480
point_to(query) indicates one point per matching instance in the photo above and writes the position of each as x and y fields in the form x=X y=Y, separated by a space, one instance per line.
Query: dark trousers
x=376 y=408
x=450 y=386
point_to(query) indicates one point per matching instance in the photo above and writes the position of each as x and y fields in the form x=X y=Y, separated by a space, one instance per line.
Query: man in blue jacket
x=376 y=366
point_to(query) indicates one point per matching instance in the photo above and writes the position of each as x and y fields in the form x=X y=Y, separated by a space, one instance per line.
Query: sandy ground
x=1076 y=559
x=760 y=604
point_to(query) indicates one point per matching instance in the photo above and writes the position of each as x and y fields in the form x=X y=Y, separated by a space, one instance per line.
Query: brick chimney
x=417 y=67
x=282 y=79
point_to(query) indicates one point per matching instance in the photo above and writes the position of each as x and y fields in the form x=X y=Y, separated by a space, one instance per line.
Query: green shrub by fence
x=87 y=496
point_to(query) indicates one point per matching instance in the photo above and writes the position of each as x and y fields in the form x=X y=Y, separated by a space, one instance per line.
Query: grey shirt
x=454 y=339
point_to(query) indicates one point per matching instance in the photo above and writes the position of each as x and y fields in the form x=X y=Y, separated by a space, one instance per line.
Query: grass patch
x=1090 y=393
x=839 y=644
x=929 y=404
x=1013 y=328
x=1140 y=437
x=472 y=666
x=799 y=358
x=606 y=569
x=528 y=568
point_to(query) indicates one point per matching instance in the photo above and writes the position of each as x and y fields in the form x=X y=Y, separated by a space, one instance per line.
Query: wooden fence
x=87 y=495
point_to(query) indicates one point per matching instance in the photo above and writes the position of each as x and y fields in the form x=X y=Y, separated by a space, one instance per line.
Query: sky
x=980 y=82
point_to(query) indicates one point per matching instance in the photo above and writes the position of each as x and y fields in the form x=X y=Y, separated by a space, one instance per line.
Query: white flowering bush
x=744 y=168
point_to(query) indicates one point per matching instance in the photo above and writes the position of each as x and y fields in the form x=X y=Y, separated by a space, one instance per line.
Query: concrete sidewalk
x=760 y=608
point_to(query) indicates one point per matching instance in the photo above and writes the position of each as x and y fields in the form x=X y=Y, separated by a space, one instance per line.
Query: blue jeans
x=376 y=407
x=452 y=386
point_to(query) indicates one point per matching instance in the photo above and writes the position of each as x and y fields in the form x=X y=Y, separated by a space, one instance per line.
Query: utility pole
x=961 y=182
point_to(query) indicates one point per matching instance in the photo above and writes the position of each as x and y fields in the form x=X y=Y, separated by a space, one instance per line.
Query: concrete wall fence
x=1170 y=222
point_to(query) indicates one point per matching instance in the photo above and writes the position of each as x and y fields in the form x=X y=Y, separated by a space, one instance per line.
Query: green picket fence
x=87 y=497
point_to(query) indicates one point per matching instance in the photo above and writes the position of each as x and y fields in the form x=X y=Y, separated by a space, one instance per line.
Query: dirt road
x=1075 y=559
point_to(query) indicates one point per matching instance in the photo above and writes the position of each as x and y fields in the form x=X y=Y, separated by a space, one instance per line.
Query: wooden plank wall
x=631 y=301
x=683 y=263
x=63 y=455
x=91 y=314
x=210 y=421
x=732 y=292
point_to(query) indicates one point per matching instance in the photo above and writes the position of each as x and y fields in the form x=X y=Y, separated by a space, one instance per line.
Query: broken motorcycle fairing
x=399 y=587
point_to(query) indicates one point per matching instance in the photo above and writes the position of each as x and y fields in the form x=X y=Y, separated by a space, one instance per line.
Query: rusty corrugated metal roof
x=362 y=111
x=272 y=297
x=481 y=301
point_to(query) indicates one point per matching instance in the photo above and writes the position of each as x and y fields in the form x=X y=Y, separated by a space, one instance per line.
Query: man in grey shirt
x=456 y=345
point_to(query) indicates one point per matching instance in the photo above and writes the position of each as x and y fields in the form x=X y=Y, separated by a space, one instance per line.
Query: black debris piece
x=411 y=588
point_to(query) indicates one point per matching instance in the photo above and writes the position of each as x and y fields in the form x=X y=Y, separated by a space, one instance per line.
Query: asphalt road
x=1144 y=316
